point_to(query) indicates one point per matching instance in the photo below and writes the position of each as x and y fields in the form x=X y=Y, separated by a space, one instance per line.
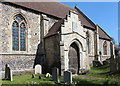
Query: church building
x=50 y=34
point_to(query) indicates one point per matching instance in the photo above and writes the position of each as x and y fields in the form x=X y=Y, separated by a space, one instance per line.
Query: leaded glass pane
x=19 y=19
x=105 y=48
x=15 y=36
x=22 y=37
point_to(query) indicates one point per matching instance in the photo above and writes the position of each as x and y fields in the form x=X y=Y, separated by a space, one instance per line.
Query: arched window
x=105 y=48
x=88 y=42
x=19 y=34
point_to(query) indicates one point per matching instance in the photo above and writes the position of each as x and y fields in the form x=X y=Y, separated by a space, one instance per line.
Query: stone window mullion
x=19 y=36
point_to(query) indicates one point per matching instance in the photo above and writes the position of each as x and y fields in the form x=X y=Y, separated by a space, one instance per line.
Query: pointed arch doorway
x=74 y=58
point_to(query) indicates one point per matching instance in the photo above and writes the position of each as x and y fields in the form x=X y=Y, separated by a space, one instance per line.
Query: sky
x=105 y=14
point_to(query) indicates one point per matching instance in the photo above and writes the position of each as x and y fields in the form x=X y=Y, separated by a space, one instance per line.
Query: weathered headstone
x=40 y=77
x=11 y=78
x=119 y=67
x=33 y=75
x=68 y=77
x=113 y=65
x=38 y=69
x=119 y=64
x=55 y=74
x=47 y=75
x=8 y=73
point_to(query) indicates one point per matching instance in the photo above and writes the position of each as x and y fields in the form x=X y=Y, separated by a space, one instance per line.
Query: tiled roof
x=103 y=34
x=56 y=9
x=55 y=28
x=60 y=10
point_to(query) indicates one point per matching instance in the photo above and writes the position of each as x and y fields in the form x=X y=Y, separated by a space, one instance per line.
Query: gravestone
x=8 y=73
x=113 y=65
x=68 y=77
x=38 y=69
x=47 y=75
x=119 y=64
x=55 y=74
x=40 y=77
x=33 y=75
x=11 y=78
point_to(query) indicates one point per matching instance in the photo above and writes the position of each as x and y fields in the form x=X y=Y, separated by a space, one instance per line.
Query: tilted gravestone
x=8 y=73
x=55 y=74
x=38 y=69
x=68 y=77
x=113 y=65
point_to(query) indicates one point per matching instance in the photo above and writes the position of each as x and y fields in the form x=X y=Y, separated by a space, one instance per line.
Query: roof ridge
x=104 y=31
x=66 y=6
x=84 y=15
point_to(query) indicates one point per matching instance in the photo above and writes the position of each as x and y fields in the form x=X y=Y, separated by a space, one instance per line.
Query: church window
x=105 y=48
x=19 y=34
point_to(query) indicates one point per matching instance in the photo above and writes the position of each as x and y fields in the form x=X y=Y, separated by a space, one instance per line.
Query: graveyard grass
x=101 y=75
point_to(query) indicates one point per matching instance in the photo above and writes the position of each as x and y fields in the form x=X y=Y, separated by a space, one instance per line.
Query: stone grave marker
x=119 y=64
x=113 y=65
x=33 y=75
x=47 y=75
x=38 y=69
x=11 y=78
x=55 y=74
x=40 y=77
x=68 y=77
x=8 y=73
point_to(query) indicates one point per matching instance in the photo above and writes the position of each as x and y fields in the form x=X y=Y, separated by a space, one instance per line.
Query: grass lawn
x=100 y=75
x=27 y=80
x=103 y=73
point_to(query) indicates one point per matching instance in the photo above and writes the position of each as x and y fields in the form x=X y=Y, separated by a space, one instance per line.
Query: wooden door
x=73 y=56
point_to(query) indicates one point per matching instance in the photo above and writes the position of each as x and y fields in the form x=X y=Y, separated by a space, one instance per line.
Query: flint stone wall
x=52 y=53
x=16 y=59
x=18 y=62
x=92 y=45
